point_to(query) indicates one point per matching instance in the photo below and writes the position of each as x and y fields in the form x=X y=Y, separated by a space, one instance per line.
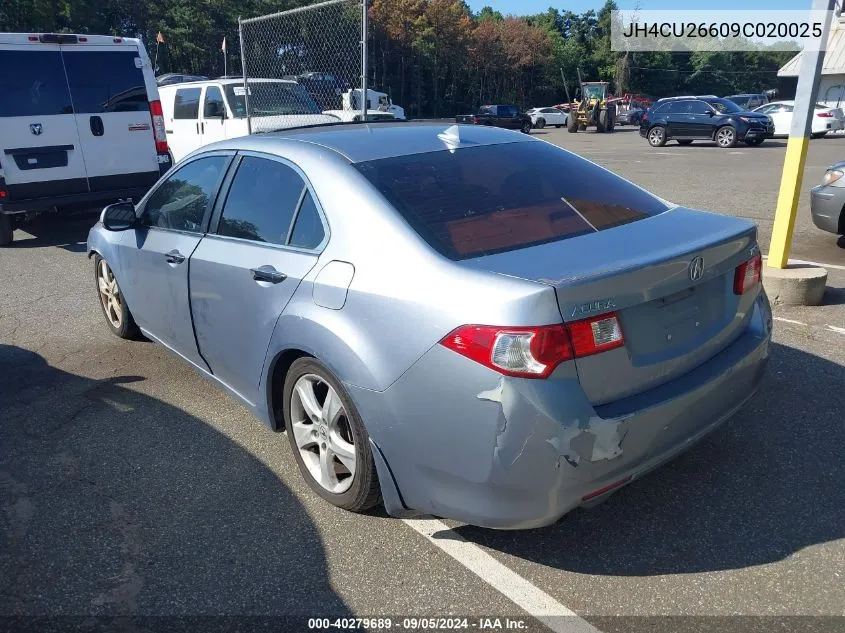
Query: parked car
x=710 y=118
x=824 y=119
x=629 y=116
x=72 y=136
x=541 y=117
x=437 y=317
x=505 y=116
x=325 y=88
x=202 y=112
x=749 y=101
x=827 y=200
x=177 y=78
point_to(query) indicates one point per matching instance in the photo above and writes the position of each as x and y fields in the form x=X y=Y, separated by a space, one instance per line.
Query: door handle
x=96 y=124
x=198 y=127
x=174 y=257
x=202 y=127
x=267 y=273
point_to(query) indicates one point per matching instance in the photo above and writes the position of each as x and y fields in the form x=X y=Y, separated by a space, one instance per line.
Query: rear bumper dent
x=522 y=453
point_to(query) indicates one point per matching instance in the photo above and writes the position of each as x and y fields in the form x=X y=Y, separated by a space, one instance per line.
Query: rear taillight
x=825 y=115
x=534 y=352
x=157 y=115
x=747 y=275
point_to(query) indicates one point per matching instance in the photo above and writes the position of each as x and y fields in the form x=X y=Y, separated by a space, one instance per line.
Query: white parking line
x=803 y=261
x=789 y=321
x=514 y=587
x=834 y=328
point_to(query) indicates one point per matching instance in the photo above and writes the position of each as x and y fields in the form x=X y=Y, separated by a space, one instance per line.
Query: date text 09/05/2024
x=419 y=624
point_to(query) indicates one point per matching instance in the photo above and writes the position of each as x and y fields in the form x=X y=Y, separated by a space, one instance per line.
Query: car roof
x=236 y=81
x=747 y=94
x=360 y=142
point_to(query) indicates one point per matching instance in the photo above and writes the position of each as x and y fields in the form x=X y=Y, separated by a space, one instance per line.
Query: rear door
x=678 y=122
x=184 y=134
x=214 y=120
x=40 y=150
x=243 y=276
x=112 y=111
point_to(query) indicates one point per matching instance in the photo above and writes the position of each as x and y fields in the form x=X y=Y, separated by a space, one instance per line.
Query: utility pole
x=365 y=100
x=809 y=77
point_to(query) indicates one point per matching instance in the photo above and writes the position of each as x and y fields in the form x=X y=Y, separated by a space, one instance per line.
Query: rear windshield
x=725 y=106
x=495 y=198
x=106 y=81
x=271 y=98
x=34 y=84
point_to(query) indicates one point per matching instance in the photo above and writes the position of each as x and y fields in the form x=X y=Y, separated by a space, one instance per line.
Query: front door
x=243 y=277
x=112 y=115
x=155 y=257
x=700 y=120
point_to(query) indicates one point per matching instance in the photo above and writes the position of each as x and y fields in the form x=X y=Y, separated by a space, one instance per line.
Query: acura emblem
x=35 y=128
x=696 y=268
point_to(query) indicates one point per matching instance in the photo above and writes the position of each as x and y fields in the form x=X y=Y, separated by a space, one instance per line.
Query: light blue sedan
x=461 y=321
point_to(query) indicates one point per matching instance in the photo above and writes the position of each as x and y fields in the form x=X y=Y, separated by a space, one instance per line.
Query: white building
x=832 y=86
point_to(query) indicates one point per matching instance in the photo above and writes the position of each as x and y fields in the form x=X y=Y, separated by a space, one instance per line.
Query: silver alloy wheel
x=322 y=433
x=655 y=137
x=109 y=294
x=725 y=137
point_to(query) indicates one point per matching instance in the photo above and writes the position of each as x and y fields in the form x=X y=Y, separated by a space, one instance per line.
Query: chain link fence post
x=303 y=66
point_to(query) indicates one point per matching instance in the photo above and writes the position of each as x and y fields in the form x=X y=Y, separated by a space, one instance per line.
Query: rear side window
x=495 y=198
x=680 y=107
x=186 y=104
x=34 y=84
x=308 y=230
x=262 y=201
x=102 y=82
x=662 y=108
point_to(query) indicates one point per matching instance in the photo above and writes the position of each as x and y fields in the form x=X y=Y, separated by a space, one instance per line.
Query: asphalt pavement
x=131 y=486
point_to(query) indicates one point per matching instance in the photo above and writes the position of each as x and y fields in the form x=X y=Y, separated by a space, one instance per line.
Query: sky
x=526 y=7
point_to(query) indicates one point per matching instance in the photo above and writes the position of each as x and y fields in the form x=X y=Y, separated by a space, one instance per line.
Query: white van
x=80 y=123
x=201 y=112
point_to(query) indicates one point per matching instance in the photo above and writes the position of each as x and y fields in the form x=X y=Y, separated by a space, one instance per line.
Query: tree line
x=434 y=57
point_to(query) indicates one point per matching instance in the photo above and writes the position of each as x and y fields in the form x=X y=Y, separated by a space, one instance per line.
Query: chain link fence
x=302 y=63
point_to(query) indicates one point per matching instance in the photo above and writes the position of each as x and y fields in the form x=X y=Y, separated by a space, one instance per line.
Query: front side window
x=34 y=84
x=102 y=82
x=187 y=103
x=494 y=198
x=262 y=200
x=508 y=111
x=181 y=202
x=699 y=107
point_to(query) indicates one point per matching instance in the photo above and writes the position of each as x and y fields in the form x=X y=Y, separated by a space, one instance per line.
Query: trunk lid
x=672 y=320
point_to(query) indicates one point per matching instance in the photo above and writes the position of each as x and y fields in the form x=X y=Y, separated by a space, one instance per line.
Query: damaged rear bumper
x=463 y=442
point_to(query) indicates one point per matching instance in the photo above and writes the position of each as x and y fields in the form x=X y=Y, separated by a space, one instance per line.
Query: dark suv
x=686 y=119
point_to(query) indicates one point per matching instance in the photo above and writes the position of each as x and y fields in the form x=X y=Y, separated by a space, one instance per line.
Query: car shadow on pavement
x=762 y=487
x=68 y=231
x=115 y=504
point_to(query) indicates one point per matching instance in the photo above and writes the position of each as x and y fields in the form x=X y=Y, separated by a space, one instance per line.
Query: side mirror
x=711 y=113
x=119 y=216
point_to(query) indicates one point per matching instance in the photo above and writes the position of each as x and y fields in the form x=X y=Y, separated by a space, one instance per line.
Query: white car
x=541 y=117
x=201 y=112
x=80 y=123
x=824 y=119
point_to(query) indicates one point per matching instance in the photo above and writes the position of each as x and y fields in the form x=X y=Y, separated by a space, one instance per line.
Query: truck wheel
x=572 y=124
x=6 y=231
x=601 y=122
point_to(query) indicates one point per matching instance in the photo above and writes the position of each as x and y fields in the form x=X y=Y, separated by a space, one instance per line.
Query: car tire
x=685 y=142
x=754 y=142
x=526 y=127
x=726 y=137
x=657 y=136
x=818 y=135
x=541 y=123
x=7 y=232
x=310 y=434
x=557 y=126
x=112 y=303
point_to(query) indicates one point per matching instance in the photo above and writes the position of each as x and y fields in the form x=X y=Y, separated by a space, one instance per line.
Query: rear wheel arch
x=278 y=372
